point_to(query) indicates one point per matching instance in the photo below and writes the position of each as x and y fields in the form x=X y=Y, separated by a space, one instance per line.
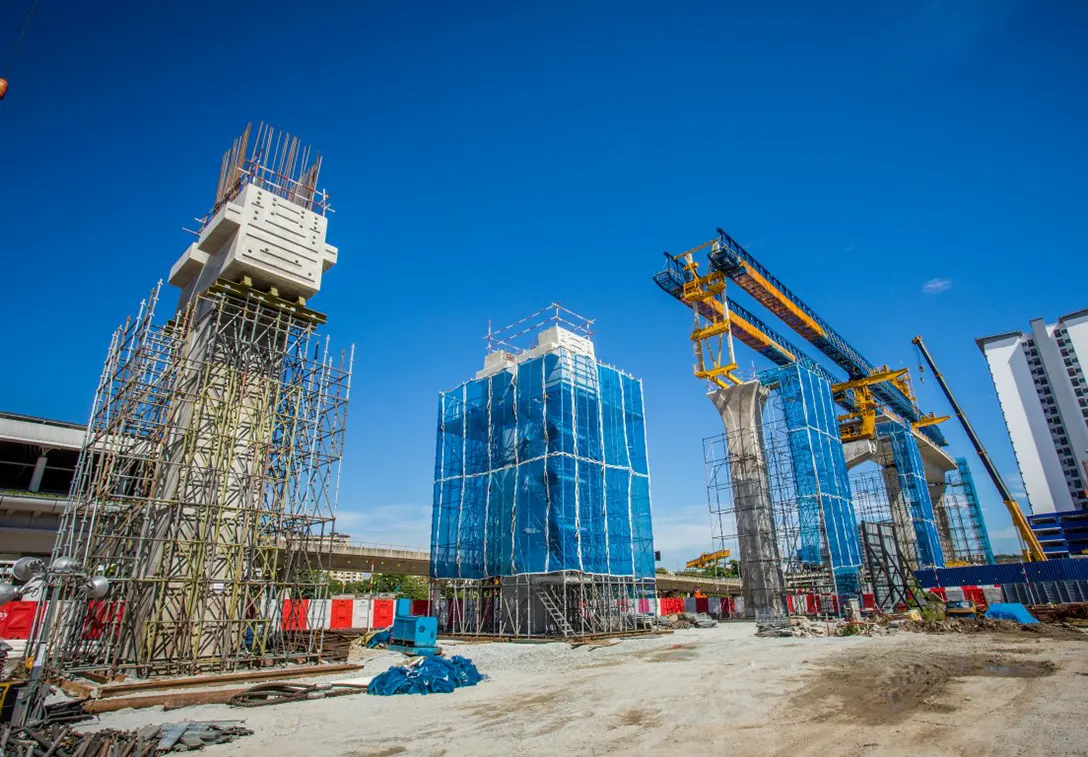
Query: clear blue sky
x=487 y=158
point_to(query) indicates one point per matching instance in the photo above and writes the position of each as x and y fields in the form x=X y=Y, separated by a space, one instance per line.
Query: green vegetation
x=731 y=569
x=404 y=587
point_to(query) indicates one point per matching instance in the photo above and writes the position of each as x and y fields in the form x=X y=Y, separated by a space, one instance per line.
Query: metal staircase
x=556 y=613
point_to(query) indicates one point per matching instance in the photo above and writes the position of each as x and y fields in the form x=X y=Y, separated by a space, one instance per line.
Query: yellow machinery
x=707 y=559
x=1033 y=551
x=868 y=390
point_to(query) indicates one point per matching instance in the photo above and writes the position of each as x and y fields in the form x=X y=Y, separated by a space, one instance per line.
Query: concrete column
x=741 y=409
x=935 y=482
x=39 y=471
x=902 y=524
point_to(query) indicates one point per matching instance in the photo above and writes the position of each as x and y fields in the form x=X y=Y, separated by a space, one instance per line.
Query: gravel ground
x=704 y=691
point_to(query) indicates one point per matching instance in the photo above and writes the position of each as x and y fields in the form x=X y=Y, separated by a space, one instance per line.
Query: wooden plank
x=168 y=700
x=120 y=689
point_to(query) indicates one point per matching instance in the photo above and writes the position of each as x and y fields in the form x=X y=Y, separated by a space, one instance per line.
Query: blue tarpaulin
x=1010 y=611
x=433 y=675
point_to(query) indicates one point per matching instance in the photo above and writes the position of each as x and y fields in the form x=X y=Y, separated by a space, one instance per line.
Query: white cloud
x=394 y=525
x=936 y=286
x=681 y=532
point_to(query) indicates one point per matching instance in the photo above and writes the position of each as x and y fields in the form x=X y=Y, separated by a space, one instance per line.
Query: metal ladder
x=556 y=613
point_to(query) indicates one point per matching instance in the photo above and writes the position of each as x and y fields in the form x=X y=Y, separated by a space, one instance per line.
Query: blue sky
x=906 y=167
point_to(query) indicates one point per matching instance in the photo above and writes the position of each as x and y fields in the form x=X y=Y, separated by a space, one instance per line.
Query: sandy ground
x=718 y=690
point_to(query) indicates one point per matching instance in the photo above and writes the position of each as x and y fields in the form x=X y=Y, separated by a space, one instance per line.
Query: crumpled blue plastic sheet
x=434 y=675
x=1010 y=611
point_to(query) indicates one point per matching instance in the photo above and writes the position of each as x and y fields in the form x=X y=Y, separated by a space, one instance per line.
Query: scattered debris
x=277 y=693
x=298 y=671
x=808 y=627
x=952 y=625
x=426 y=675
x=687 y=620
x=1070 y=612
x=148 y=741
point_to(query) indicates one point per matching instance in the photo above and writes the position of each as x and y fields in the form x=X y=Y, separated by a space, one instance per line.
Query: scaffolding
x=541 y=520
x=887 y=542
x=825 y=511
x=909 y=496
x=206 y=491
x=969 y=541
x=777 y=555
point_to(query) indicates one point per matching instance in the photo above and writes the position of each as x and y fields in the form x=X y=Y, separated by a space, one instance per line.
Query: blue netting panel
x=915 y=491
x=819 y=466
x=975 y=506
x=542 y=469
x=977 y=537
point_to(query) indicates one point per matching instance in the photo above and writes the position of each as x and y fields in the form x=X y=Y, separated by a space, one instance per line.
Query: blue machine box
x=414 y=635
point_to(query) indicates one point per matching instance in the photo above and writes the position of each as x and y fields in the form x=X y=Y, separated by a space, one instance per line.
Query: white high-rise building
x=1040 y=383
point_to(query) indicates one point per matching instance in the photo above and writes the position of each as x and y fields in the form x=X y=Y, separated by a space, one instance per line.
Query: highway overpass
x=381 y=558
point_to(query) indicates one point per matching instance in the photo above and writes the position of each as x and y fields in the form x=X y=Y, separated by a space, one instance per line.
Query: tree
x=403 y=586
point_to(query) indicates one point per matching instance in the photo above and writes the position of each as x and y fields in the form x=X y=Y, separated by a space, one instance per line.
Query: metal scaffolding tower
x=206 y=491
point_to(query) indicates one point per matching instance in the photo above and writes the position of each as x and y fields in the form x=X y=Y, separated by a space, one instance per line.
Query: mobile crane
x=1033 y=551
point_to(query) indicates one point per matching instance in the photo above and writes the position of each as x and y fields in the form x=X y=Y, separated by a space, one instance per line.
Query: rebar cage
x=206 y=490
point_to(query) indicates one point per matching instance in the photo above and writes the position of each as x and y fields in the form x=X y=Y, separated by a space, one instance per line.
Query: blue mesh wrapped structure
x=911 y=481
x=542 y=481
x=969 y=539
x=819 y=465
x=810 y=550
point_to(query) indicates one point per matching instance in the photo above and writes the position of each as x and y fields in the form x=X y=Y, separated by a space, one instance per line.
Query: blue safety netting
x=542 y=468
x=824 y=503
x=978 y=522
x=915 y=492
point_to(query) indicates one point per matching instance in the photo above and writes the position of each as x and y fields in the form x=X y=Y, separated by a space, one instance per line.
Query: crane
x=1033 y=550
x=867 y=382
x=707 y=559
x=718 y=318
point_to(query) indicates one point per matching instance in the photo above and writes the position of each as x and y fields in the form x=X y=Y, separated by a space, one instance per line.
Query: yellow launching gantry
x=868 y=391
x=707 y=559
x=861 y=424
x=718 y=319
x=711 y=338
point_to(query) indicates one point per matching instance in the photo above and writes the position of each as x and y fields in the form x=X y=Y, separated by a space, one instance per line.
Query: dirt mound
x=991 y=625
x=886 y=689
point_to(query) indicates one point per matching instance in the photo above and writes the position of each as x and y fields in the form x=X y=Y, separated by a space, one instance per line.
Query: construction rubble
x=149 y=740
x=687 y=620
